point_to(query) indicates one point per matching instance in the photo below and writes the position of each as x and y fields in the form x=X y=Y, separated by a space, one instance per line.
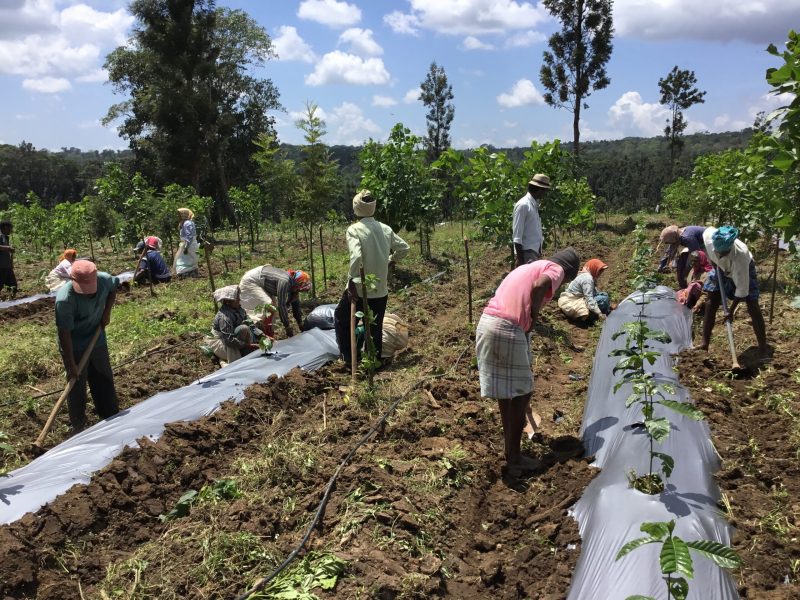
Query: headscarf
x=153 y=242
x=595 y=266
x=568 y=260
x=364 y=204
x=670 y=235
x=69 y=254
x=229 y=292
x=186 y=214
x=301 y=282
x=724 y=237
x=700 y=261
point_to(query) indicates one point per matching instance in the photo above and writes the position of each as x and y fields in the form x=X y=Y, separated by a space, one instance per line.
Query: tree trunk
x=239 y=242
x=91 y=246
x=576 y=127
x=311 y=258
x=324 y=269
x=252 y=237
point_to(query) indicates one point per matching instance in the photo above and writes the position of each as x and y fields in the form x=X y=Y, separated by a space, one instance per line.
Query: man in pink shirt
x=502 y=344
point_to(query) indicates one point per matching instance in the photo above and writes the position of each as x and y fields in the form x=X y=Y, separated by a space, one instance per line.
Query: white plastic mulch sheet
x=123 y=277
x=72 y=462
x=610 y=512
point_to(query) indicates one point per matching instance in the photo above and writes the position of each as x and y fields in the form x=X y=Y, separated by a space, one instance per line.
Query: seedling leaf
x=722 y=555
x=683 y=408
x=667 y=462
x=633 y=544
x=657 y=530
x=658 y=428
x=675 y=558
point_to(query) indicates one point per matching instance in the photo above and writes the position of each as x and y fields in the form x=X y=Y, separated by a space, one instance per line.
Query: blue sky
x=362 y=62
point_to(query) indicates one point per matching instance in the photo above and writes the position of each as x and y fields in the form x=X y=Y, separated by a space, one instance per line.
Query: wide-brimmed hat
x=84 y=277
x=364 y=204
x=540 y=180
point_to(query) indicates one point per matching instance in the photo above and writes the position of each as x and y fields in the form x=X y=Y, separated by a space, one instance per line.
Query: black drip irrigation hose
x=194 y=338
x=262 y=583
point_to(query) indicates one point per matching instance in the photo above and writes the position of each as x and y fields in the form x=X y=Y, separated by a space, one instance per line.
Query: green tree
x=277 y=176
x=679 y=93
x=399 y=178
x=319 y=180
x=193 y=109
x=575 y=65
x=437 y=95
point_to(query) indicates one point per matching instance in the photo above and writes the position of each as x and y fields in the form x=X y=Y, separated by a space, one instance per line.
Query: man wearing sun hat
x=731 y=256
x=527 y=226
x=82 y=305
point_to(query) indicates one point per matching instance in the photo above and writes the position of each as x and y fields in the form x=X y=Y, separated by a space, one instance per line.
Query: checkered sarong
x=504 y=358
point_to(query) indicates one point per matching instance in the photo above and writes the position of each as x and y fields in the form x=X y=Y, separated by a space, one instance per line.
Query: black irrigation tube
x=262 y=583
x=194 y=338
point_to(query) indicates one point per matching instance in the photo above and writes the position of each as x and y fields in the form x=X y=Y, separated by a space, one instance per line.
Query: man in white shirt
x=527 y=227
x=731 y=255
x=373 y=245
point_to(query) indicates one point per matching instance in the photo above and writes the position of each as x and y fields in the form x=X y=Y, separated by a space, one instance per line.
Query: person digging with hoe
x=735 y=269
x=83 y=305
x=502 y=345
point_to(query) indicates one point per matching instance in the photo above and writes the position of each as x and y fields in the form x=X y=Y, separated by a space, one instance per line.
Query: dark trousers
x=341 y=323
x=8 y=279
x=100 y=377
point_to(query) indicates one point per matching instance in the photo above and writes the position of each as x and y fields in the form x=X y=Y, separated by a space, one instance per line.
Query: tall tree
x=193 y=111
x=437 y=95
x=678 y=93
x=319 y=180
x=575 y=65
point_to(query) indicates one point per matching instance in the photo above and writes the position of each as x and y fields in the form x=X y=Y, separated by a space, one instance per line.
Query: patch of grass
x=283 y=459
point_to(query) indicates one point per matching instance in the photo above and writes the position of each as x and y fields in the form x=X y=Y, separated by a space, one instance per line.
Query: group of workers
x=706 y=259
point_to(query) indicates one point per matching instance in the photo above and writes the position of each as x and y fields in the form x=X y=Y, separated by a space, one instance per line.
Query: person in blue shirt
x=83 y=305
x=674 y=237
x=152 y=265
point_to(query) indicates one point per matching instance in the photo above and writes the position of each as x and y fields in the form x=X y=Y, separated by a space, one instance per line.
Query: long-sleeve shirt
x=374 y=244
x=6 y=258
x=692 y=238
x=583 y=285
x=188 y=232
x=527 y=226
x=63 y=269
x=736 y=265
x=278 y=284
x=225 y=323
x=153 y=261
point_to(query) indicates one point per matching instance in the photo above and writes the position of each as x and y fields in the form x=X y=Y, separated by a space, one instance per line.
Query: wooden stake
x=324 y=270
x=208 y=247
x=774 y=277
x=324 y=412
x=469 y=279
x=367 y=325
x=353 y=349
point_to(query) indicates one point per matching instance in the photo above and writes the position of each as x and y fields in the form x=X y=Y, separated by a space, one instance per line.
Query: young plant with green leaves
x=675 y=558
x=642 y=276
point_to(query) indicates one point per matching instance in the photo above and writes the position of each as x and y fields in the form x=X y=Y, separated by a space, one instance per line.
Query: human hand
x=72 y=370
x=603 y=317
x=105 y=320
x=289 y=332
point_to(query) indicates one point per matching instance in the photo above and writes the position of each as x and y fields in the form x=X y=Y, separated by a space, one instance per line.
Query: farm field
x=423 y=509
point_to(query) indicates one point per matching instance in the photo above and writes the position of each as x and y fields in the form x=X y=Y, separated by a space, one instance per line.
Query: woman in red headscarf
x=581 y=301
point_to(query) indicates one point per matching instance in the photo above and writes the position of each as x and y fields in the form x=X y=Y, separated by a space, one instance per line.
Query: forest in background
x=625 y=175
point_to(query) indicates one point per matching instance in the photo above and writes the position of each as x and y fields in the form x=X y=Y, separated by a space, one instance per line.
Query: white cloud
x=412 y=95
x=402 y=23
x=330 y=12
x=290 y=46
x=361 y=42
x=473 y=43
x=348 y=125
x=758 y=21
x=467 y=17
x=525 y=40
x=96 y=76
x=300 y=115
x=768 y=103
x=383 y=101
x=43 y=43
x=638 y=117
x=523 y=93
x=340 y=67
x=724 y=122
x=46 y=85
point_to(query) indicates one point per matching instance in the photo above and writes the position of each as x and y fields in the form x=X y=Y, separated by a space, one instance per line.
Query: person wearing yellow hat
x=527 y=225
x=186 y=257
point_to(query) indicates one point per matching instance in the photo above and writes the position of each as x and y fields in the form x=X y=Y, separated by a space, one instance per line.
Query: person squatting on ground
x=527 y=225
x=268 y=285
x=734 y=268
x=7 y=277
x=375 y=246
x=698 y=266
x=152 y=265
x=581 y=301
x=502 y=345
x=60 y=275
x=83 y=305
x=234 y=336
x=186 y=256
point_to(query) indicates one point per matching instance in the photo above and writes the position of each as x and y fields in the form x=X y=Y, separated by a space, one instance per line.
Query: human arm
x=65 y=341
x=519 y=257
x=284 y=293
x=663 y=264
x=354 y=249
x=539 y=291
x=112 y=297
x=399 y=248
x=589 y=290
x=682 y=269
x=225 y=327
x=297 y=313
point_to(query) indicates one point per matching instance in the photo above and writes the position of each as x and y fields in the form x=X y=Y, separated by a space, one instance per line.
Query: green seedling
x=224 y=489
x=316 y=570
x=675 y=559
x=265 y=343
